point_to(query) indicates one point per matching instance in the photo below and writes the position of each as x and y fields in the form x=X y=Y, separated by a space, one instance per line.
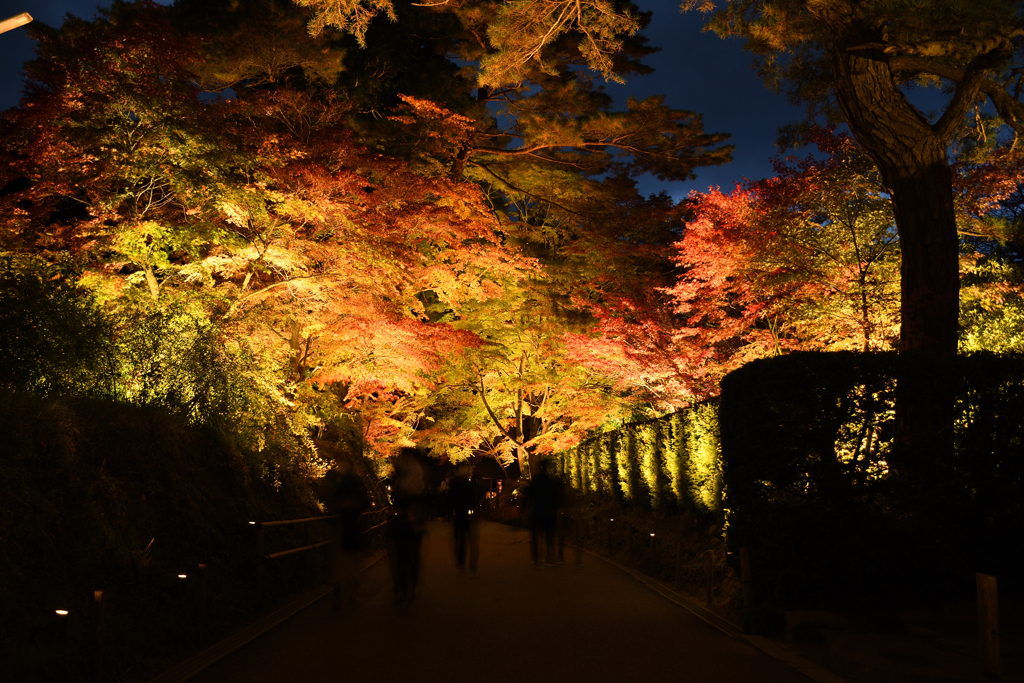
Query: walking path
x=511 y=622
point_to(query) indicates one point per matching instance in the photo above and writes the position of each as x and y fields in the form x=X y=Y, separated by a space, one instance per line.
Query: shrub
x=53 y=337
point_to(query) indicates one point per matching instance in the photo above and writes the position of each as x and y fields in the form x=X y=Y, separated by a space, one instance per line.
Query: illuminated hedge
x=673 y=461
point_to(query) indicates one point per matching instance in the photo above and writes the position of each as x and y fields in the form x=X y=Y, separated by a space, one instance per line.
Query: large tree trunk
x=911 y=156
x=910 y=153
x=929 y=300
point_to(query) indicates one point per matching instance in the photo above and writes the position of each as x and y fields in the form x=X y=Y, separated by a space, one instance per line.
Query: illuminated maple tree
x=313 y=248
x=808 y=259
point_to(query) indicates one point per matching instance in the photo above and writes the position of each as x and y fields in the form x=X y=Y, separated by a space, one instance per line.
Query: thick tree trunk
x=922 y=201
x=929 y=300
x=911 y=156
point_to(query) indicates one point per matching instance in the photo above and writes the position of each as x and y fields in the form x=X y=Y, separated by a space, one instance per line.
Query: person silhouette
x=347 y=499
x=464 y=499
x=405 y=537
x=541 y=499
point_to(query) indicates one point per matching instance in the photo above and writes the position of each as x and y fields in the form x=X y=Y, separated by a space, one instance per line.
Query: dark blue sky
x=694 y=70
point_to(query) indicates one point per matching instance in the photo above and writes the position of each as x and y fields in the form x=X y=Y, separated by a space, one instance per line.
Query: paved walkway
x=511 y=622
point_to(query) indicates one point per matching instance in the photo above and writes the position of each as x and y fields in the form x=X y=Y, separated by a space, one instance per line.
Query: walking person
x=464 y=498
x=347 y=499
x=542 y=499
x=405 y=537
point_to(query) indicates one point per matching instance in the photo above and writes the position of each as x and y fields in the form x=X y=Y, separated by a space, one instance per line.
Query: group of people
x=412 y=507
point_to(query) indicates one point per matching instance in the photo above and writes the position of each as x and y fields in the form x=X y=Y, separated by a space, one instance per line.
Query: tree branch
x=234 y=307
x=525 y=192
x=494 y=418
x=1008 y=108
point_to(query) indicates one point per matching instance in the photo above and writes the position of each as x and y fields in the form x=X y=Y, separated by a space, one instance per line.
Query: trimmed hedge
x=672 y=461
x=808 y=457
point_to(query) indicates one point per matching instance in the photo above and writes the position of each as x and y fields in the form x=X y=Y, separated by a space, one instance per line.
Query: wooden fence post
x=100 y=609
x=203 y=586
x=709 y=571
x=579 y=541
x=988 y=623
x=654 y=553
x=679 y=566
x=259 y=562
x=745 y=580
x=560 y=532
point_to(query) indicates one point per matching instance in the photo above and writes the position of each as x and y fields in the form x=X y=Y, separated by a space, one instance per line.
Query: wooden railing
x=377 y=519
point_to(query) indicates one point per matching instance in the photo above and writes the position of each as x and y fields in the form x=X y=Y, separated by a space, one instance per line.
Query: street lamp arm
x=15 y=21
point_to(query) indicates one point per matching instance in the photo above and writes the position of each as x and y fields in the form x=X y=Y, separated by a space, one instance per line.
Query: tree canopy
x=390 y=231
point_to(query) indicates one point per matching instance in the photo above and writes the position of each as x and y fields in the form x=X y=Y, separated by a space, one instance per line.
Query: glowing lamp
x=14 y=22
x=61 y=612
x=185 y=576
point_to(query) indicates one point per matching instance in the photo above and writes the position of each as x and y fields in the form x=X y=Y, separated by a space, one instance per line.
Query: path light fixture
x=14 y=22
x=59 y=625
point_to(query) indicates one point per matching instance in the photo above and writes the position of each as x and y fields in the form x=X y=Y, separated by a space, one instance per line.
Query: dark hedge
x=818 y=490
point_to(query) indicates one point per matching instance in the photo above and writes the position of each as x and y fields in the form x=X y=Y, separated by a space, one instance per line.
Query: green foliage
x=703 y=462
x=675 y=454
x=646 y=440
x=670 y=461
x=626 y=465
x=992 y=307
x=171 y=358
x=605 y=458
x=571 y=465
x=55 y=341
x=179 y=361
x=53 y=337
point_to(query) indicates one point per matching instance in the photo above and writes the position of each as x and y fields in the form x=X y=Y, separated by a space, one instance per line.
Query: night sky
x=694 y=70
